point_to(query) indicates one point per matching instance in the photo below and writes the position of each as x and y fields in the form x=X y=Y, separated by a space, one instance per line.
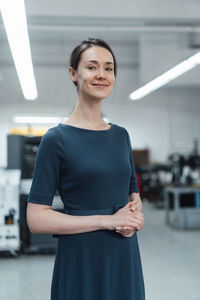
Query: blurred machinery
x=35 y=243
x=21 y=154
x=186 y=169
x=9 y=211
x=151 y=178
x=179 y=171
x=174 y=186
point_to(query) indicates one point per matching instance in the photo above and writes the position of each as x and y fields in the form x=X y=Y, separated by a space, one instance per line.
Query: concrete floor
x=170 y=259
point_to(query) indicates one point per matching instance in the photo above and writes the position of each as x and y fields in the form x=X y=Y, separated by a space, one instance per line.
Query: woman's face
x=95 y=74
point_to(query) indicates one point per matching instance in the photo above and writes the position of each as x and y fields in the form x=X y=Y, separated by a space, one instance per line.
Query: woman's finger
x=134 y=207
x=134 y=202
x=126 y=230
x=127 y=234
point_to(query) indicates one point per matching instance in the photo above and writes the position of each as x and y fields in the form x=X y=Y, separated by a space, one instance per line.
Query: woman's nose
x=100 y=73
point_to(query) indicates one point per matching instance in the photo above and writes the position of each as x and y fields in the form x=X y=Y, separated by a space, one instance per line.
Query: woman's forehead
x=97 y=53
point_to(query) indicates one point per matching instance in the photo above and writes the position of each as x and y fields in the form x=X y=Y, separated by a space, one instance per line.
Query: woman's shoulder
x=51 y=134
x=52 y=139
x=122 y=129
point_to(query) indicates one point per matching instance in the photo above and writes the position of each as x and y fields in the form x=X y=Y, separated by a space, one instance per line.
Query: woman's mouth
x=100 y=85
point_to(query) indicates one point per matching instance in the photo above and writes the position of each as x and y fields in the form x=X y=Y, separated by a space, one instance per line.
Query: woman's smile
x=99 y=85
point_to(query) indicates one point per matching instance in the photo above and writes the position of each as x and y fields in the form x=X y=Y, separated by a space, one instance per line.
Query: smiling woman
x=91 y=165
x=86 y=44
x=94 y=76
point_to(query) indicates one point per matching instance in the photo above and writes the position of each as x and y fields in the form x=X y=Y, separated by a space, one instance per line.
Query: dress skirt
x=97 y=265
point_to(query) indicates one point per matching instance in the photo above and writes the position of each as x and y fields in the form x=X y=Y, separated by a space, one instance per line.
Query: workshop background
x=149 y=38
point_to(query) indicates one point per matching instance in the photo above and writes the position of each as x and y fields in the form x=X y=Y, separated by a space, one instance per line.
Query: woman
x=90 y=162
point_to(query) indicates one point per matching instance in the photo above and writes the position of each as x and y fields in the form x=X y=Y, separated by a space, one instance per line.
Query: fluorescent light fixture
x=14 y=18
x=163 y=79
x=41 y=120
x=36 y=120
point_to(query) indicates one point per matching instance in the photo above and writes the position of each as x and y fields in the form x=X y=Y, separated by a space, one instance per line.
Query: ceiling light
x=166 y=77
x=36 y=120
x=14 y=18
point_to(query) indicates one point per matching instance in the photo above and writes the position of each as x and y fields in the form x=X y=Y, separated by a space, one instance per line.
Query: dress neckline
x=85 y=130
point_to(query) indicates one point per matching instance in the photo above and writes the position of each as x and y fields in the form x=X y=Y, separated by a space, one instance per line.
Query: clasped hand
x=137 y=219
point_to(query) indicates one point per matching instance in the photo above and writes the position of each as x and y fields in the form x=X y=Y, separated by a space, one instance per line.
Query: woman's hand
x=128 y=231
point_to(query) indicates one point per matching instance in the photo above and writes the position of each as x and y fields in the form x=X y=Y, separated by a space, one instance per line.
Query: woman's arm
x=42 y=219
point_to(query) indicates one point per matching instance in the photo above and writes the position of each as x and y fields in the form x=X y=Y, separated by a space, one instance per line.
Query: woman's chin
x=100 y=95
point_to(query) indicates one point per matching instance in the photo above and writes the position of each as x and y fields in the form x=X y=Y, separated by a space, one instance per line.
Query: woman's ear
x=72 y=73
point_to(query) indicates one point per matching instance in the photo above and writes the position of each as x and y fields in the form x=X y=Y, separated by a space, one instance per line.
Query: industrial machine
x=9 y=210
x=23 y=157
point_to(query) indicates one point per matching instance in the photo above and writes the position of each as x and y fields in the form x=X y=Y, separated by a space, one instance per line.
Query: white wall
x=165 y=122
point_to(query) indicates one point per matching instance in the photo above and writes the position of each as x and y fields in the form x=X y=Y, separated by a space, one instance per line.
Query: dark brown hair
x=85 y=44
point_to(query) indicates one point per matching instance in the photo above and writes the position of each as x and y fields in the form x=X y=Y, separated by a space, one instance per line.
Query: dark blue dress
x=94 y=173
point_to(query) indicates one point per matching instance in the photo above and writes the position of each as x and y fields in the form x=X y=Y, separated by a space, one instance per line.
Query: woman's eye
x=109 y=69
x=91 y=68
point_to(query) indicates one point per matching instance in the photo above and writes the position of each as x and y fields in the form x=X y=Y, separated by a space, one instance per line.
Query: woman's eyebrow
x=94 y=61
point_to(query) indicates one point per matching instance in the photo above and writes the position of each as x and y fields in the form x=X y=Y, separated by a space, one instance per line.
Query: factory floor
x=170 y=259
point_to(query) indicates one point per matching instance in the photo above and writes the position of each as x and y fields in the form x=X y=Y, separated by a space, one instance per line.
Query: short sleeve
x=133 y=186
x=48 y=165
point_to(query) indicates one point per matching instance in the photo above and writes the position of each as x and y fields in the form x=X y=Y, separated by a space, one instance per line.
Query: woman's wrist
x=106 y=222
